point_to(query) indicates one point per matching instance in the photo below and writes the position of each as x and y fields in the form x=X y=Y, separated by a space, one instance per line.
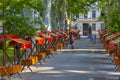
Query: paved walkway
x=85 y=62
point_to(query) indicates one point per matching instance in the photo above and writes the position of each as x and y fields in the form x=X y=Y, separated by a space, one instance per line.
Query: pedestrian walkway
x=85 y=62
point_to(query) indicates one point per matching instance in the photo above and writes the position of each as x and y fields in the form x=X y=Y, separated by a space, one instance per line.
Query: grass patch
x=10 y=53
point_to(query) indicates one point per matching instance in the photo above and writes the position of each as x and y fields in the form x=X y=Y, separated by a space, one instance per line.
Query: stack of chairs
x=111 y=42
x=23 y=51
x=60 y=43
x=31 y=50
x=39 y=42
x=11 y=66
x=75 y=33
x=49 y=41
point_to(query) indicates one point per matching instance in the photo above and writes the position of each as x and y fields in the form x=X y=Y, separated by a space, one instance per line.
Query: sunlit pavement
x=85 y=62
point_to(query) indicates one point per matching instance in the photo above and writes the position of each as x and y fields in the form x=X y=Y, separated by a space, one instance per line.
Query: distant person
x=72 y=41
x=92 y=39
x=79 y=36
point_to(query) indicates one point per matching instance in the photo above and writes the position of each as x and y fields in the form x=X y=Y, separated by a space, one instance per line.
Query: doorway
x=86 y=29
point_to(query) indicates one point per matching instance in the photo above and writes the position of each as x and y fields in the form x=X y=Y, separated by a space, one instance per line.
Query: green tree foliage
x=115 y=21
x=13 y=18
x=110 y=14
x=79 y=6
x=67 y=8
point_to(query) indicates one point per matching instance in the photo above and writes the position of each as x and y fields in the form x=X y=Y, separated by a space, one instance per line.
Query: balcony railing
x=87 y=19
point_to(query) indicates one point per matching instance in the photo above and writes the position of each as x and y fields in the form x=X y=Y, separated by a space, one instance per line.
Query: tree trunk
x=4 y=45
x=64 y=16
x=54 y=15
x=119 y=6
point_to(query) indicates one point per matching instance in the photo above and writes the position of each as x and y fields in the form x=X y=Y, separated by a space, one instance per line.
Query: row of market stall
x=111 y=42
x=31 y=50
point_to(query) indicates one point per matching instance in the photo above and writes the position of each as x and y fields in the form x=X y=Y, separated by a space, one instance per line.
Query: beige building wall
x=79 y=24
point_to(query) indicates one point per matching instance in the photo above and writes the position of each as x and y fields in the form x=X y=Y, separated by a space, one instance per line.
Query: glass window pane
x=93 y=26
x=93 y=14
x=102 y=25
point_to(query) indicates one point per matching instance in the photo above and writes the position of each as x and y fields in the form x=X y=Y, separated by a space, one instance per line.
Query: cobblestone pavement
x=84 y=62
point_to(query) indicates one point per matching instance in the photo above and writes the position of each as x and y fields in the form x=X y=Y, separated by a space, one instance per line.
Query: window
x=93 y=26
x=102 y=25
x=77 y=16
x=94 y=4
x=93 y=14
x=85 y=17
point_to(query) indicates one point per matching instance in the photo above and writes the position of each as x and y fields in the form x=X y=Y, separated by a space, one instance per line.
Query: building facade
x=89 y=24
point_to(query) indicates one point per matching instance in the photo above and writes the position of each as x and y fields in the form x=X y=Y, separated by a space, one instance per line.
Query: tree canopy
x=13 y=19
x=111 y=14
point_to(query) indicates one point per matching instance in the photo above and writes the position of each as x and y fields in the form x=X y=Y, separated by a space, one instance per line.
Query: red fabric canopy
x=113 y=43
x=2 y=39
x=55 y=35
x=102 y=31
x=26 y=45
x=41 y=33
x=12 y=37
x=18 y=40
x=39 y=40
x=112 y=36
x=50 y=39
